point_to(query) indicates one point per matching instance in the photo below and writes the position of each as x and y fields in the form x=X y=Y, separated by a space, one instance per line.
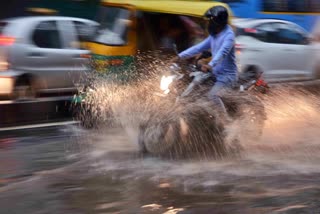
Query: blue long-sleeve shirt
x=223 y=54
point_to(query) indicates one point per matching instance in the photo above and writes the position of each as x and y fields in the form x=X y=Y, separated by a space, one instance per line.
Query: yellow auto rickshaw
x=128 y=27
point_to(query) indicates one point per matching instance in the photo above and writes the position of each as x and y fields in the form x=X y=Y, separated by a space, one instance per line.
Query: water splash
x=289 y=140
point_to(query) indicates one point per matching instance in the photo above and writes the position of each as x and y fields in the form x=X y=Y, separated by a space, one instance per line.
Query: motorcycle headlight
x=165 y=83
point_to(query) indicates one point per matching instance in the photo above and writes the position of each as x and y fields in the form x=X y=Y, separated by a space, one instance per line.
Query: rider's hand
x=206 y=68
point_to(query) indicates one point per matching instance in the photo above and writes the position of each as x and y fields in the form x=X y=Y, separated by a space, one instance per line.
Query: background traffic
x=43 y=56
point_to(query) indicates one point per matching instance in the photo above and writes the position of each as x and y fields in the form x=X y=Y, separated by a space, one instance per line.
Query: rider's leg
x=215 y=95
x=199 y=78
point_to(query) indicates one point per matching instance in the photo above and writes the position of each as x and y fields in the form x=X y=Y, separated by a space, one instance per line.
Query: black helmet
x=218 y=19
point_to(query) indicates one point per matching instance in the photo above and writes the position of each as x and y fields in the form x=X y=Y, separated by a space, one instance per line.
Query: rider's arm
x=196 y=49
x=224 y=50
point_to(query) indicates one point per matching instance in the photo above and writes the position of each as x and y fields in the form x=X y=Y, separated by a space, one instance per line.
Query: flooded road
x=57 y=174
x=67 y=169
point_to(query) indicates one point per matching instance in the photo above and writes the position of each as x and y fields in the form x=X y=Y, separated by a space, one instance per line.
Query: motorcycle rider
x=223 y=67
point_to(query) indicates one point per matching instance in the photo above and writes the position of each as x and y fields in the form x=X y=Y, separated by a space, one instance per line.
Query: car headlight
x=4 y=65
x=165 y=83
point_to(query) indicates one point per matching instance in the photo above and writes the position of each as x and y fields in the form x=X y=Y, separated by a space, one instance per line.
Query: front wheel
x=191 y=130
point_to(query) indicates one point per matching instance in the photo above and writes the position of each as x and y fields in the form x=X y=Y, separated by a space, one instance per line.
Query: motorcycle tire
x=250 y=111
x=191 y=130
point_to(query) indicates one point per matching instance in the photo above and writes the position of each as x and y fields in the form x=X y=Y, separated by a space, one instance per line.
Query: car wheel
x=23 y=90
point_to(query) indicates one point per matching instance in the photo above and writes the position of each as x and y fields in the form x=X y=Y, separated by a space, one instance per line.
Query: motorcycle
x=188 y=124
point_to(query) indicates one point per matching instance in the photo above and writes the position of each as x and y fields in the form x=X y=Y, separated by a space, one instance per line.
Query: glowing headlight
x=165 y=83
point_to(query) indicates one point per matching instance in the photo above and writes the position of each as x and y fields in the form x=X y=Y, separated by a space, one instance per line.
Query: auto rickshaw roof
x=180 y=7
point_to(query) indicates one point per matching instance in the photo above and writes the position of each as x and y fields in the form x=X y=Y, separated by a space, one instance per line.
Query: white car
x=282 y=50
x=42 y=55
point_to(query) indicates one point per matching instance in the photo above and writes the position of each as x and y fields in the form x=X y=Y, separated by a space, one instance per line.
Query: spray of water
x=291 y=136
x=291 y=115
x=181 y=126
x=289 y=144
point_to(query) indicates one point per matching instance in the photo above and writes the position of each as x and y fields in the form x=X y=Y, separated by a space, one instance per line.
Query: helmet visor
x=211 y=19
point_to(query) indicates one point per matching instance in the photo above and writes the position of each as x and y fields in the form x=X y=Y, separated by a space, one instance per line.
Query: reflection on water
x=100 y=171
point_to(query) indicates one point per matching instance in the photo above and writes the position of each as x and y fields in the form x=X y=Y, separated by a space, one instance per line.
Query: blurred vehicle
x=282 y=50
x=302 y=12
x=131 y=26
x=42 y=55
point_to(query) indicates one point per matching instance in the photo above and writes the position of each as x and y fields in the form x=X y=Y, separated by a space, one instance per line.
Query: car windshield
x=113 y=26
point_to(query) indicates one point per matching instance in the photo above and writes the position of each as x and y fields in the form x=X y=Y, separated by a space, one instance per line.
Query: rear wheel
x=249 y=112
